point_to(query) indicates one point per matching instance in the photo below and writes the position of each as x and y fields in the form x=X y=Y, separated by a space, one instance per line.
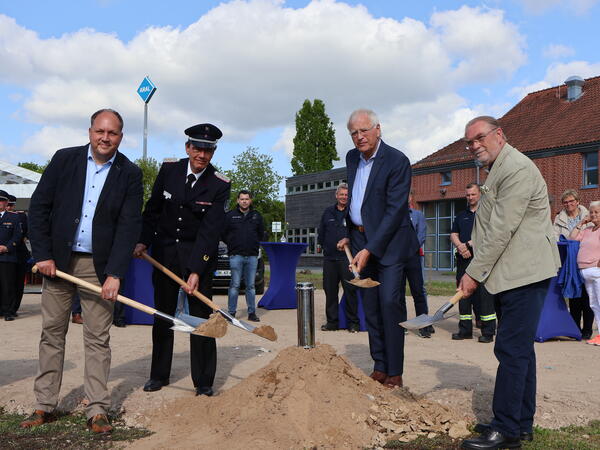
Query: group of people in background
x=575 y=222
x=14 y=256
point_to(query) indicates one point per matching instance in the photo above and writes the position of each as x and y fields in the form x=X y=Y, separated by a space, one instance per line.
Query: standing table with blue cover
x=138 y=287
x=283 y=259
x=555 y=319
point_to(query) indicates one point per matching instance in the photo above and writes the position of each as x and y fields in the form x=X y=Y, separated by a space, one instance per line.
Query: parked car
x=222 y=275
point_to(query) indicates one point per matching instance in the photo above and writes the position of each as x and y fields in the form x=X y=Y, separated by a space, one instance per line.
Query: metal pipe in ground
x=305 y=295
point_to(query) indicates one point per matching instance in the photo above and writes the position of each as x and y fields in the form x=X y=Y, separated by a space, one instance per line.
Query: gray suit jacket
x=513 y=238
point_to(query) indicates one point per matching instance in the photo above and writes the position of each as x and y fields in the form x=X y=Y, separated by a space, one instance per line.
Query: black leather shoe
x=486 y=339
x=460 y=337
x=155 y=385
x=492 y=439
x=204 y=390
x=483 y=427
x=354 y=328
x=253 y=317
x=430 y=329
x=9 y=318
x=120 y=324
x=328 y=327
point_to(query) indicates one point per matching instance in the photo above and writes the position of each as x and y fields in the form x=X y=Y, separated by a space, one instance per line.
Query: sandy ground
x=458 y=374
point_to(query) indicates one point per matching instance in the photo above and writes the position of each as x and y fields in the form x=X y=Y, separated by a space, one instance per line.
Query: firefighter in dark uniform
x=481 y=302
x=332 y=229
x=182 y=222
x=10 y=235
x=23 y=256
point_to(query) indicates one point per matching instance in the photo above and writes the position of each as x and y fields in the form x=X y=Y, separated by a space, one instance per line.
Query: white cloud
x=578 y=7
x=248 y=66
x=557 y=51
x=557 y=73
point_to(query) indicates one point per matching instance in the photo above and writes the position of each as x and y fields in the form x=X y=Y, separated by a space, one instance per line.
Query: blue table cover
x=283 y=259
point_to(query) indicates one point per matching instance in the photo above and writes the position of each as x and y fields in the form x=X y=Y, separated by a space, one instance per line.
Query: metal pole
x=305 y=295
x=145 y=130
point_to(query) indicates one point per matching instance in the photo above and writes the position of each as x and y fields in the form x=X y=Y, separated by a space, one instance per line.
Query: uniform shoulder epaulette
x=222 y=177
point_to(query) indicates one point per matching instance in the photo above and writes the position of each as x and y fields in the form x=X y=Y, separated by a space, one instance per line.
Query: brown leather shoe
x=378 y=376
x=392 y=382
x=99 y=424
x=77 y=319
x=38 y=418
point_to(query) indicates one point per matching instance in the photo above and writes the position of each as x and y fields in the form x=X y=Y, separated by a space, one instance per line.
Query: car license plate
x=222 y=273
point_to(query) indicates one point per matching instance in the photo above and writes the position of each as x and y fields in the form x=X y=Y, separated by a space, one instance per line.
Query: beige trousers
x=97 y=314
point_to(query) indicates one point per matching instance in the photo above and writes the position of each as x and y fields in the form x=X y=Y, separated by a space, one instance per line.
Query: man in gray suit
x=515 y=255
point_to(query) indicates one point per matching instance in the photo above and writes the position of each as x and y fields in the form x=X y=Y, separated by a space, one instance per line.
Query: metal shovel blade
x=425 y=320
x=363 y=283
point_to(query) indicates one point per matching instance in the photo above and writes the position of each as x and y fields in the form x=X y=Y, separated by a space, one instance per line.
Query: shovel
x=357 y=281
x=424 y=320
x=264 y=331
x=195 y=326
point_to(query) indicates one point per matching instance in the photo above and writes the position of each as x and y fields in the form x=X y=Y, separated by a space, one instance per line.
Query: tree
x=39 y=168
x=314 y=144
x=253 y=171
x=150 y=167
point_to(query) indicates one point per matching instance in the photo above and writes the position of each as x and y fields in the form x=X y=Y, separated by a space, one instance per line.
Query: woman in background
x=564 y=222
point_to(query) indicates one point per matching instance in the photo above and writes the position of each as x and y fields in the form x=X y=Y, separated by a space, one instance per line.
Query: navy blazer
x=390 y=235
x=55 y=211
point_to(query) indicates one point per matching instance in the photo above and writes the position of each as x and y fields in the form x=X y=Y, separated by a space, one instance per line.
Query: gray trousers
x=57 y=296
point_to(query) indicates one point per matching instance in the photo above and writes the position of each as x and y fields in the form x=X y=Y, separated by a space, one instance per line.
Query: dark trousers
x=203 y=350
x=334 y=273
x=514 y=393
x=76 y=304
x=8 y=271
x=385 y=308
x=20 y=273
x=461 y=268
x=580 y=306
x=414 y=274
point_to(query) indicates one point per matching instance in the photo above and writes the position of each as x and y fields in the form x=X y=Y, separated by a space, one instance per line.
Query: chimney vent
x=574 y=87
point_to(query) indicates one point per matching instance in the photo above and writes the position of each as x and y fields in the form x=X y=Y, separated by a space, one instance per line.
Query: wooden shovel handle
x=179 y=280
x=349 y=256
x=92 y=287
x=456 y=297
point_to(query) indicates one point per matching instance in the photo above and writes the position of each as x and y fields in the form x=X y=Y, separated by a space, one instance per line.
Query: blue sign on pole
x=146 y=90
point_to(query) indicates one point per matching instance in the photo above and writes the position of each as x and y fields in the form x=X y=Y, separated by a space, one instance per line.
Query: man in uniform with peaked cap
x=10 y=235
x=182 y=223
x=23 y=255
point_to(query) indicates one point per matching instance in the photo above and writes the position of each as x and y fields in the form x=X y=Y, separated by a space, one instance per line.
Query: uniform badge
x=166 y=195
x=205 y=258
x=203 y=203
x=222 y=177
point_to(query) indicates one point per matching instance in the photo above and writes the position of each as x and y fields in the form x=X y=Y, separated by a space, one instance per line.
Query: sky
x=424 y=67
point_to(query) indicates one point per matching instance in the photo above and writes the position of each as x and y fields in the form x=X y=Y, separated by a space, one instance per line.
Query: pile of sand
x=303 y=398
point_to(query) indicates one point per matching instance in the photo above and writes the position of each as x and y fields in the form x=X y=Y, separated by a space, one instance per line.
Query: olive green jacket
x=513 y=237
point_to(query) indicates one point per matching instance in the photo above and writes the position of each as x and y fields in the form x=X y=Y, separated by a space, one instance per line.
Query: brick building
x=558 y=128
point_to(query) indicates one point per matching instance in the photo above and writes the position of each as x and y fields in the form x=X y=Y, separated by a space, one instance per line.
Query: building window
x=304 y=235
x=446 y=178
x=320 y=185
x=590 y=169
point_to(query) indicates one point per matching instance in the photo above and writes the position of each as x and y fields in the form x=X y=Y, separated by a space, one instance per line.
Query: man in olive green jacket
x=515 y=255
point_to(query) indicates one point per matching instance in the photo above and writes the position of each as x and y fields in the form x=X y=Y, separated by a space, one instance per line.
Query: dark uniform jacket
x=193 y=224
x=23 y=254
x=243 y=232
x=331 y=229
x=10 y=236
x=55 y=211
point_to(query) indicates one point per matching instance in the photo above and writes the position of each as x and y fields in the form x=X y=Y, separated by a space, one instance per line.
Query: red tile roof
x=542 y=120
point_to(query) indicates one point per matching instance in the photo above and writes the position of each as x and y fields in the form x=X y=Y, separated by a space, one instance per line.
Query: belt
x=358 y=227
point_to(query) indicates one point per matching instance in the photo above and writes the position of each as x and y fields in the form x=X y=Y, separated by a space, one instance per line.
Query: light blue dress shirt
x=95 y=178
x=360 y=186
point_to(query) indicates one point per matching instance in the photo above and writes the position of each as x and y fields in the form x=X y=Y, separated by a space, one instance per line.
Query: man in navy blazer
x=382 y=237
x=84 y=219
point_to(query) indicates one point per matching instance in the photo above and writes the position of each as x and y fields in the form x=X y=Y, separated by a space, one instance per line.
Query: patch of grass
x=572 y=437
x=443 y=288
x=68 y=431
